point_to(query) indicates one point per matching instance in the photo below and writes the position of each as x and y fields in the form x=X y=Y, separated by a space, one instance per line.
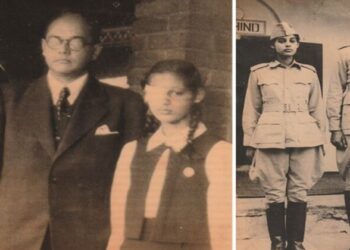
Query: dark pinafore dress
x=182 y=220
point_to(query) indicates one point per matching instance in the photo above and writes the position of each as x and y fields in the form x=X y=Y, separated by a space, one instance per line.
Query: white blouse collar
x=176 y=141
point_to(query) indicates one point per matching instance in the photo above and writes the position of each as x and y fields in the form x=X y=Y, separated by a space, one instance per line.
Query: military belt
x=286 y=108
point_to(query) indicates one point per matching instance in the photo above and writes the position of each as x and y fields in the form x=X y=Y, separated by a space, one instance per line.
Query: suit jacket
x=67 y=188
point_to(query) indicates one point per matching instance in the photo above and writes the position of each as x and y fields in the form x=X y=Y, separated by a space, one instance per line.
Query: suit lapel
x=91 y=106
x=37 y=115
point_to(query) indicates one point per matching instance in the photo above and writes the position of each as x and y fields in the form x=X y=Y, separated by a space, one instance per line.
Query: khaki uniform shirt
x=338 y=100
x=283 y=107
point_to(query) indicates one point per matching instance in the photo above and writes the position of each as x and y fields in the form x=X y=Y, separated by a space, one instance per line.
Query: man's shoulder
x=118 y=92
x=15 y=90
x=344 y=52
x=344 y=48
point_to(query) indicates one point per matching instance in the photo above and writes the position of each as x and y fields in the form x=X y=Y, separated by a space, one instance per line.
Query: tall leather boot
x=276 y=225
x=296 y=219
x=347 y=203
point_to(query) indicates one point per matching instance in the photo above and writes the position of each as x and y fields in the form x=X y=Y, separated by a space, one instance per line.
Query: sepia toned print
x=292 y=68
x=174 y=182
x=115 y=125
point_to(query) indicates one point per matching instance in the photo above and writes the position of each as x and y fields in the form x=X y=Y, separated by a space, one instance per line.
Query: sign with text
x=251 y=27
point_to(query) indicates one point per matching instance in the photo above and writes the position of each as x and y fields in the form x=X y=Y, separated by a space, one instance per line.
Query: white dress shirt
x=74 y=87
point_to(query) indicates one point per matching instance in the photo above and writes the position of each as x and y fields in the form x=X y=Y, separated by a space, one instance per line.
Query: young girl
x=284 y=130
x=172 y=190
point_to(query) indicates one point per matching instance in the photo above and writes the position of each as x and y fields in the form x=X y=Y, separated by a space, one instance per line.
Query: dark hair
x=191 y=79
x=91 y=22
x=183 y=69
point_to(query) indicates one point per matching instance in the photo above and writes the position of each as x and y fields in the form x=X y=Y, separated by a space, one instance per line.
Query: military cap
x=282 y=29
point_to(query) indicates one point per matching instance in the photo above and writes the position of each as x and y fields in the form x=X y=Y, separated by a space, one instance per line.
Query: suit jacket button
x=53 y=179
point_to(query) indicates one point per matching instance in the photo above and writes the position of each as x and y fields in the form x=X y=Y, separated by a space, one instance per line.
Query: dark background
x=22 y=24
x=254 y=50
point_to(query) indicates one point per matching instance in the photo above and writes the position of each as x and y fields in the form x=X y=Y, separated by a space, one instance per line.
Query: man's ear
x=272 y=46
x=199 y=96
x=97 y=50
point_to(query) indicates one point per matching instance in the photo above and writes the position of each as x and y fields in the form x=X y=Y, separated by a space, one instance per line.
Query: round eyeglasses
x=74 y=44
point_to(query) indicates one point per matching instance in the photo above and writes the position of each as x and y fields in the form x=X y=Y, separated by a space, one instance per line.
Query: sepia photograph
x=116 y=125
x=292 y=142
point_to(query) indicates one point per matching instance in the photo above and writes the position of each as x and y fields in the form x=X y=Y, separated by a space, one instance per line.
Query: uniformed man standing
x=338 y=112
x=284 y=130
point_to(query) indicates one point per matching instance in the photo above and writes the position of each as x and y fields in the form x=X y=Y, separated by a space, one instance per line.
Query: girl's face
x=286 y=45
x=168 y=99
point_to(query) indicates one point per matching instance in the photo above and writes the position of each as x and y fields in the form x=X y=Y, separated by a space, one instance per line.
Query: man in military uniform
x=338 y=112
x=284 y=130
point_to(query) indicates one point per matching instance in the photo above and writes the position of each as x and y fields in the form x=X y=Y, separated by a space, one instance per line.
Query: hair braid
x=194 y=121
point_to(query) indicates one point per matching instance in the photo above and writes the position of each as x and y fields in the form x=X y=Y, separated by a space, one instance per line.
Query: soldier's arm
x=316 y=105
x=252 y=108
x=336 y=90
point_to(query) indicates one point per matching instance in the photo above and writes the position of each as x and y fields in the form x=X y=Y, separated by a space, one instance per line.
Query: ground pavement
x=326 y=225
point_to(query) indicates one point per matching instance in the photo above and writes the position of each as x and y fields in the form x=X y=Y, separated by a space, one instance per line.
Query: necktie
x=62 y=103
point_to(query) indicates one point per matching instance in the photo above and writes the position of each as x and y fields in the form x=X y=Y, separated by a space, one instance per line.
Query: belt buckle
x=286 y=107
x=298 y=108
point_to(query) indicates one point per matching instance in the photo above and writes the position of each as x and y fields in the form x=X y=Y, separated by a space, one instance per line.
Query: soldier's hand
x=338 y=139
x=249 y=153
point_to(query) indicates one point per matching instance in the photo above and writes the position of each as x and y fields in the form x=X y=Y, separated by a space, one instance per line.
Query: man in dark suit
x=63 y=136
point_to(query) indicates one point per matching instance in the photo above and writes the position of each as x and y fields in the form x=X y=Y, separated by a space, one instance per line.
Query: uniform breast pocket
x=301 y=89
x=271 y=90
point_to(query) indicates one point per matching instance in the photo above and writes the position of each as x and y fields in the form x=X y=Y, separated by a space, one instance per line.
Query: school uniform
x=166 y=205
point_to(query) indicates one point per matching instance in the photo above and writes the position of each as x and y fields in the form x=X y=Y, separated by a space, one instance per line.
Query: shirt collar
x=276 y=64
x=177 y=141
x=74 y=87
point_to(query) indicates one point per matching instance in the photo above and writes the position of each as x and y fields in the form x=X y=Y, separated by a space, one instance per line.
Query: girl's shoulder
x=208 y=142
x=218 y=163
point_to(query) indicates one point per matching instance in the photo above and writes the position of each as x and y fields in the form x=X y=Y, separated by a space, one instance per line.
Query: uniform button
x=53 y=179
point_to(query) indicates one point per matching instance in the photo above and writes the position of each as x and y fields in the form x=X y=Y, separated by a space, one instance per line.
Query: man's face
x=68 y=47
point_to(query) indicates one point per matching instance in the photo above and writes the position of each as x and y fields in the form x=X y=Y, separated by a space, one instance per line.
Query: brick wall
x=196 y=30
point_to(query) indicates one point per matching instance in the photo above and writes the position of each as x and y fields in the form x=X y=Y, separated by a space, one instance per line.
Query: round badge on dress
x=188 y=172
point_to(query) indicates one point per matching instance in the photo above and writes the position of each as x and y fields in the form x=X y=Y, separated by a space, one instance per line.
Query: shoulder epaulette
x=308 y=66
x=259 y=66
x=346 y=46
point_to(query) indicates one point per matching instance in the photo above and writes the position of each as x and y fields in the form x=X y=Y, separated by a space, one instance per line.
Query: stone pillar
x=196 y=30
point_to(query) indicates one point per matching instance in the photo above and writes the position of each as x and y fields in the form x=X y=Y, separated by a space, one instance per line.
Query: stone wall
x=195 y=30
